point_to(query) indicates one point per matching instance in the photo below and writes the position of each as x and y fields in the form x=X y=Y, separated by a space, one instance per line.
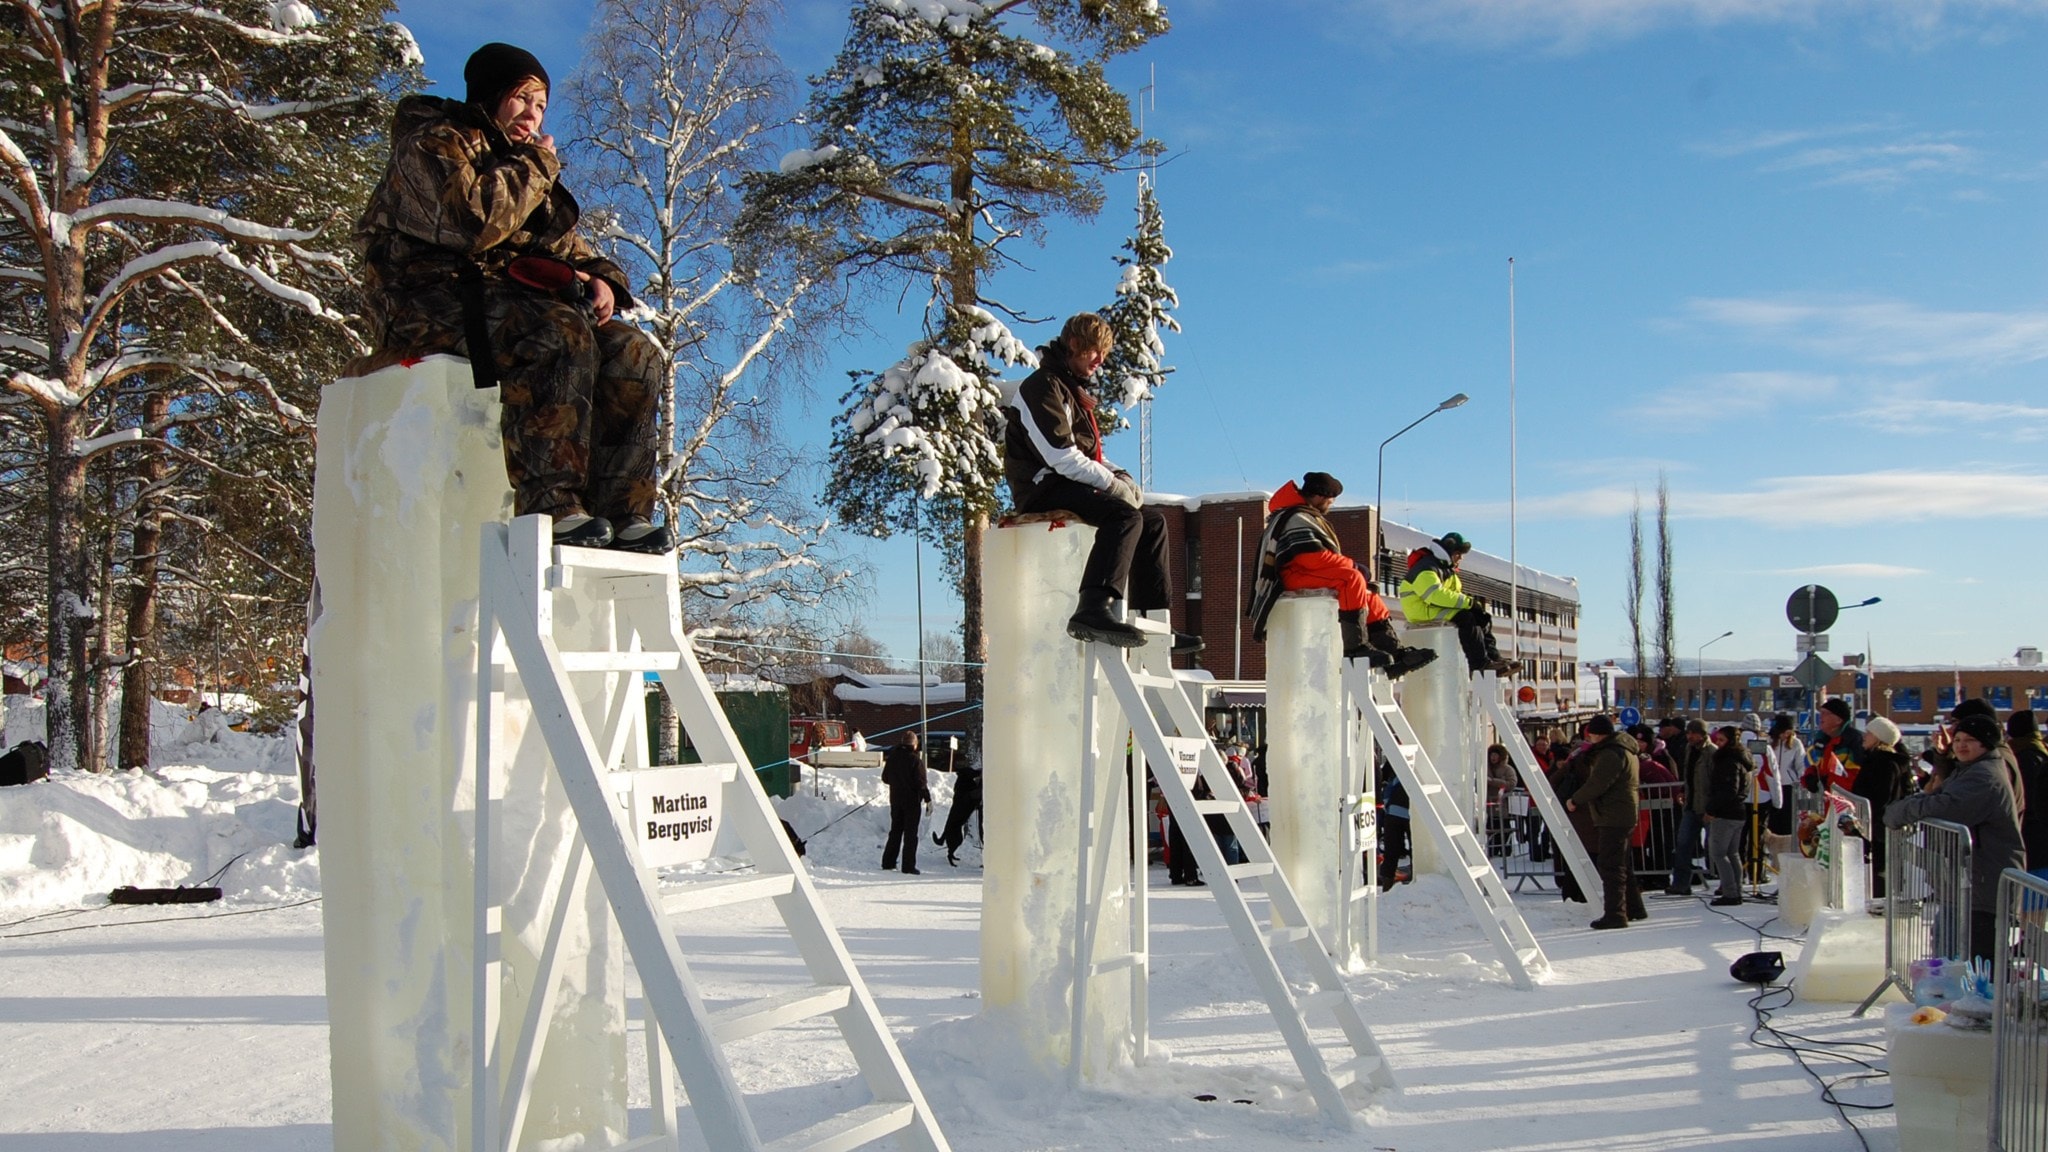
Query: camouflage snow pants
x=579 y=397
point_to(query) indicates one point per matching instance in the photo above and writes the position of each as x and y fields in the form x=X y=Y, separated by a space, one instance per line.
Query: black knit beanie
x=1984 y=729
x=1601 y=725
x=1321 y=484
x=496 y=69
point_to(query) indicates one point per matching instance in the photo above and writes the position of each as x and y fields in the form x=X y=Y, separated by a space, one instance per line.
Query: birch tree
x=673 y=103
x=945 y=131
x=146 y=149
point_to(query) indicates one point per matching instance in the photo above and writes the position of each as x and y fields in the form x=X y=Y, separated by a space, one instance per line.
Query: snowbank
x=845 y=824
x=228 y=806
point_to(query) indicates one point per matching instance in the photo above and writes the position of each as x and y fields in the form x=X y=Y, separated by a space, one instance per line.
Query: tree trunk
x=973 y=644
x=101 y=660
x=65 y=694
x=138 y=680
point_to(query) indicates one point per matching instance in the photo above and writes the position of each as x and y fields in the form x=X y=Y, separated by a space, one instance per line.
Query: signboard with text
x=1187 y=753
x=678 y=815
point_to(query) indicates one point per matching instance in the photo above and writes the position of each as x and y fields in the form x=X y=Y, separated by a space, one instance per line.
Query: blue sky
x=1791 y=252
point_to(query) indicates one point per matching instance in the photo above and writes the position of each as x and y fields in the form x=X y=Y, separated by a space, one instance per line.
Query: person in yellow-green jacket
x=1433 y=594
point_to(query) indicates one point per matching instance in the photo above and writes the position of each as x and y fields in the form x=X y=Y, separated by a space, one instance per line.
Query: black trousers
x=1129 y=557
x=903 y=821
x=1180 y=859
x=1475 y=636
x=1623 y=892
x=1394 y=832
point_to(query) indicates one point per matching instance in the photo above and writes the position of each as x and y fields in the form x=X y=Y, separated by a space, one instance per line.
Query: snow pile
x=798 y=159
x=227 y=805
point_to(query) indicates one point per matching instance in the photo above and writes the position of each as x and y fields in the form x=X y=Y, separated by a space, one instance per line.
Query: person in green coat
x=1608 y=795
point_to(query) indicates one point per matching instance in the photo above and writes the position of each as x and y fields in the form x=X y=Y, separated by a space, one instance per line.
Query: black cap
x=1972 y=707
x=1321 y=484
x=1983 y=729
x=1839 y=707
x=1601 y=725
x=1781 y=723
x=496 y=69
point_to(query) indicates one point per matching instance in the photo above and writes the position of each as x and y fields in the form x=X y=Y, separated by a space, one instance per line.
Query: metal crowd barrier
x=1926 y=903
x=1518 y=841
x=2019 y=1038
x=1661 y=804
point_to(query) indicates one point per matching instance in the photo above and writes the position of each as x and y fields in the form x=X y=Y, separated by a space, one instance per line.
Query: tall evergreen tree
x=170 y=159
x=944 y=131
x=1142 y=309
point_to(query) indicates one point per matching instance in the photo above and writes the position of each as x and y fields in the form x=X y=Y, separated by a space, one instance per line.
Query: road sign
x=1812 y=609
x=1630 y=717
x=1813 y=672
x=1810 y=642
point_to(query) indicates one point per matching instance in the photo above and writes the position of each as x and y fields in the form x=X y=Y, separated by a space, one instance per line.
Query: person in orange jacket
x=1299 y=550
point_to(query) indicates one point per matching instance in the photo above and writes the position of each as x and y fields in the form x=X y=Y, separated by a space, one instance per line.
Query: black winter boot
x=1351 y=633
x=1095 y=621
x=1409 y=660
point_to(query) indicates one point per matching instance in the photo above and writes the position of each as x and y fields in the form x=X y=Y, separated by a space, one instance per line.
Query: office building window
x=1906 y=700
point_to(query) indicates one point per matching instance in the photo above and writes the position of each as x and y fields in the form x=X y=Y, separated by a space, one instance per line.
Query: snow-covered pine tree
x=672 y=105
x=1144 y=304
x=159 y=154
x=945 y=130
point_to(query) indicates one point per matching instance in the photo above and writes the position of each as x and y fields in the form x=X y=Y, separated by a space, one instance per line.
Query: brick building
x=1213 y=546
x=1909 y=695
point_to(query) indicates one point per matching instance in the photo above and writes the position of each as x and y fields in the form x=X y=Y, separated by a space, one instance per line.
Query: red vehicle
x=807 y=736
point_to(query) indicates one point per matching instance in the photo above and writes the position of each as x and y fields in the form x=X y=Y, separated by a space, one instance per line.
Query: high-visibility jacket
x=1432 y=590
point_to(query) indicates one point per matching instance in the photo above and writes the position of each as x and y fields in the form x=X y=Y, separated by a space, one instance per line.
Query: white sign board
x=678 y=814
x=1187 y=753
x=1805 y=642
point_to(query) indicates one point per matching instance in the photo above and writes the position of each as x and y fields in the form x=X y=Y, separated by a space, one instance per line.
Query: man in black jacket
x=1609 y=795
x=1052 y=457
x=1693 y=760
x=903 y=773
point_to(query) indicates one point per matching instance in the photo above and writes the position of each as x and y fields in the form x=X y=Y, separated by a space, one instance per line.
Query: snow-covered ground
x=205 y=1027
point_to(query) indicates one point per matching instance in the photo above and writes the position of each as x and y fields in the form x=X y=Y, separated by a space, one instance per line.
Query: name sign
x=1187 y=753
x=678 y=815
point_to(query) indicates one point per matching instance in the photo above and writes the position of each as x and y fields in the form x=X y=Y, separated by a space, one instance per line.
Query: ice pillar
x=1032 y=742
x=1305 y=755
x=409 y=467
x=1438 y=701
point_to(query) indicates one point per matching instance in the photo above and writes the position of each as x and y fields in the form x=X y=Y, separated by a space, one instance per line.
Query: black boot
x=1095 y=621
x=1409 y=660
x=1351 y=634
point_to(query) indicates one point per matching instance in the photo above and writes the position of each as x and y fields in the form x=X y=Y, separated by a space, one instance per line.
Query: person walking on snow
x=1299 y=550
x=1433 y=592
x=1052 y=458
x=909 y=791
x=470 y=248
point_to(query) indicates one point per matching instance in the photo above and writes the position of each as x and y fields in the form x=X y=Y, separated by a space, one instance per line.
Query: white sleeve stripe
x=1070 y=462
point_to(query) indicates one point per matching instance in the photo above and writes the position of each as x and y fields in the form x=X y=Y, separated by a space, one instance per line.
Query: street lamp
x=1699 y=669
x=1380 y=480
x=1864 y=604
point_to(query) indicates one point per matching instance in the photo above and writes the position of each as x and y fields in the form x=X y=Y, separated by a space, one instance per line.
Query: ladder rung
x=1288 y=935
x=848 y=1130
x=1156 y=627
x=1155 y=683
x=606 y=560
x=1533 y=957
x=1216 y=807
x=1249 y=871
x=1361 y=892
x=1354 y=1070
x=1476 y=871
x=621 y=661
x=1116 y=963
x=1322 y=1001
x=787 y=1007
x=724 y=891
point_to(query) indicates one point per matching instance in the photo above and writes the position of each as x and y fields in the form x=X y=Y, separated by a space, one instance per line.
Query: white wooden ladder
x=521 y=569
x=1431 y=806
x=1170 y=732
x=1494 y=709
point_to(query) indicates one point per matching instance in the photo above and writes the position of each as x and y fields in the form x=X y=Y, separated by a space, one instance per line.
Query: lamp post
x=1380 y=479
x=1699 y=670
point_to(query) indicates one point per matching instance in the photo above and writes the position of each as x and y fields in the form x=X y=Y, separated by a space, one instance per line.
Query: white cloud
x=1847 y=154
x=1570 y=25
x=1854 y=571
x=1890 y=332
x=1732 y=395
x=1912 y=414
x=1796 y=502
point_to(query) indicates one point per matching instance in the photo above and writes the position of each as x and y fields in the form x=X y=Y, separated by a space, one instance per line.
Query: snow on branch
x=51 y=392
x=169 y=211
x=99 y=444
x=289 y=20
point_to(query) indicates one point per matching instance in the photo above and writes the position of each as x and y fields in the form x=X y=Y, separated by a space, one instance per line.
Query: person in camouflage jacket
x=469 y=238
